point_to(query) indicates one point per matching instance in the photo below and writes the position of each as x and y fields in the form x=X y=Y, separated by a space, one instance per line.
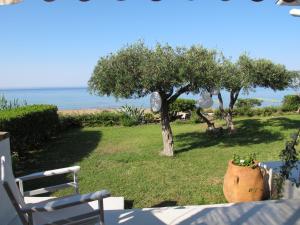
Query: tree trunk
x=166 y=129
x=229 y=117
x=221 y=105
x=210 y=125
x=229 y=121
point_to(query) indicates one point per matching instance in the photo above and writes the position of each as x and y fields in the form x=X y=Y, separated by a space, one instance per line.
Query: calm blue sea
x=80 y=98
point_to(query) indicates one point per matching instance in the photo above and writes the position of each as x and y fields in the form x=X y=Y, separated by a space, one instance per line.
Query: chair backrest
x=8 y=213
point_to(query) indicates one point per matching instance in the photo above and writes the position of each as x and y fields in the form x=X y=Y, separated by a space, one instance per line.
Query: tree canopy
x=136 y=71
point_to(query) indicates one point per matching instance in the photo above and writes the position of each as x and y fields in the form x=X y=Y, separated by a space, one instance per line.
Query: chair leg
x=76 y=188
x=30 y=219
x=101 y=211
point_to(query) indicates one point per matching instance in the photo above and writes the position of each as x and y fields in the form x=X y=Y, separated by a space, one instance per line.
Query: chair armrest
x=48 y=173
x=59 y=203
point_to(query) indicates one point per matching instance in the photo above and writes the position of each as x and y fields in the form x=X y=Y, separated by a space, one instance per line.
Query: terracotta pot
x=243 y=184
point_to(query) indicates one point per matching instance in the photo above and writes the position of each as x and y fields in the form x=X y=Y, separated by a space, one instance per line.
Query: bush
x=69 y=122
x=149 y=118
x=248 y=103
x=132 y=115
x=29 y=126
x=181 y=105
x=104 y=118
x=128 y=121
x=291 y=103
x=269 y=110
x=245 y=107
x=195 y=118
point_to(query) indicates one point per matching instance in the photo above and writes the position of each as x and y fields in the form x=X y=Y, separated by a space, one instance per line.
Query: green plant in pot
x=243 y=181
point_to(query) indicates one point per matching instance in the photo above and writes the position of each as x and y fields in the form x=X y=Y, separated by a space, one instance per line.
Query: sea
x=70 y=98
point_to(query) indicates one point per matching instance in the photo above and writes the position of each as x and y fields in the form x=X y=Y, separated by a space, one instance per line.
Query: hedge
x=291 y=103
x=90 y=120
x=263 y=111
x=100 y=119
x=29 y=126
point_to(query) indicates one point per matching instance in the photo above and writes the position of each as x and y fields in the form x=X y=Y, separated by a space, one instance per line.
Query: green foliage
x=136 y=71
x=263 y=111
x=15 y=103
x=181 y=105
x=289 y=157
x=149 y=118
x=69 y=122
x=245 y=107
x=270 y=75
x=127 y=72
x=248 y=103
x=291 y=103
x=269 y=110
x=129 y=116
x=104 y=118
x=246 y=74
x=132 y=115
x=248 y=160
x=195 y=118
x=29 y=126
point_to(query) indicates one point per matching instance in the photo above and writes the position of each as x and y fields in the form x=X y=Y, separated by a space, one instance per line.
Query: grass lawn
x=126 y=160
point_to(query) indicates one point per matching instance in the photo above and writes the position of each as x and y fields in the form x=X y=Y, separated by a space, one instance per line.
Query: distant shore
x=91 y=111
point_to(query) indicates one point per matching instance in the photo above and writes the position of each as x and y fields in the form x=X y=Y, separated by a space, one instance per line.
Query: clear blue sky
x=58 y=44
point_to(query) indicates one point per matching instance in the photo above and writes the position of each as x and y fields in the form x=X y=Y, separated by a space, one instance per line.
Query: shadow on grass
x=63 y=151
x=165 y=204
x=283 y=123
x=249 y=131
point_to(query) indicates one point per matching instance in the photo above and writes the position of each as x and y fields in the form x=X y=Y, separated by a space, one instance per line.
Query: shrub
x=269 y=110
x=128 y=121
x=181 y=105
x=291 y=103
x=245 y=107
x=195 y=118
x=149 y=118
x=6 y=104
x=29 y=126
x=132 y=115
x=248 y=102
x=104 y=118
x=69 y=121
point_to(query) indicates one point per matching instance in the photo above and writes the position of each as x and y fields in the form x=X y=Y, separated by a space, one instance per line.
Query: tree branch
x=178 y=93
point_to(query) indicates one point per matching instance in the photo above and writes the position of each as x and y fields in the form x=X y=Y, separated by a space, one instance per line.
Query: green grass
x=126 y=160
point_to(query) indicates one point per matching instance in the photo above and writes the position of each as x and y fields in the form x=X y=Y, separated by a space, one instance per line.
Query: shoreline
x=92 y=111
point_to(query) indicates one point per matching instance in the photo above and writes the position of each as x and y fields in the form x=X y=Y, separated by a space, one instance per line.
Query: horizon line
x=40 y=87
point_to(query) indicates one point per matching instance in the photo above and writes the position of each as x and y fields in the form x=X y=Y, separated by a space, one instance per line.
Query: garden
x=123 y=151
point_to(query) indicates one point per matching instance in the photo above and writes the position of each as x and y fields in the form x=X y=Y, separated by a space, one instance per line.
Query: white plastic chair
x=74 y=209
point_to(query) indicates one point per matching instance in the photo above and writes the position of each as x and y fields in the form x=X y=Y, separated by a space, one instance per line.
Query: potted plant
x=243 y=181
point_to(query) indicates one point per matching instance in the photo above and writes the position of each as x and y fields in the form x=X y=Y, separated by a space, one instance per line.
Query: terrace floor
x=286 y=212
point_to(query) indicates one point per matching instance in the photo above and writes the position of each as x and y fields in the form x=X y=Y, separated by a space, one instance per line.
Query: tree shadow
x=128 y=204
x=65 y=150
x=283 y=123
x=249 y=132
x=167 y=203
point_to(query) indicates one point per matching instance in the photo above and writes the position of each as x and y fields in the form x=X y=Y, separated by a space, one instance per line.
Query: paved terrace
x=286 y=212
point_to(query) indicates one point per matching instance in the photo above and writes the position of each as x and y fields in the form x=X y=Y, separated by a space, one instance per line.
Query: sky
x=58 y=44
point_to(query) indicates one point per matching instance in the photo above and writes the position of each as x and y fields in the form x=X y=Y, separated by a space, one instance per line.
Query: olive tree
x=247 y=74
x=208 y=80
x=136 y=71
